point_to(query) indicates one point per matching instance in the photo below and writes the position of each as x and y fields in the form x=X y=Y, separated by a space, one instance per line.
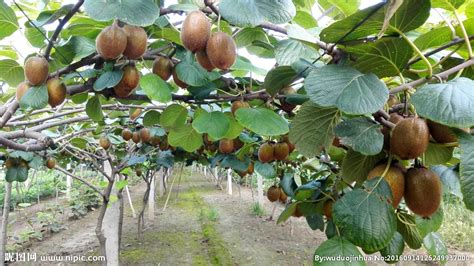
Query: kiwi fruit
x=111 y=42
x=298 y=213
x=145 y=135
x=56 y=92
x=22 y=89
x=395 y=118
x=265 y=153
x=177 y=81
x=203 y=60
x=291 y=146
x=237 y=144
x=164 y=145
x=129 y=81
x=286 y=106
x=136 y=113
x=250 y=169
x=423 y=191
x=163 y=67
x=136 y=137
x=441 y=133
x=221 y=50
x=226 y=146
x=10 y=163
x=51 y=163
x=395 y=178
x=127 y=134
x=283 y=197
x=236 y=105
x=138 y=172
x=155 y=140
x=273 y=193
x=281 y=151
x=104 y=142
x=136 y=42
x=196 y=31
x=327 y=208
x=36 y=70
x=410 y=138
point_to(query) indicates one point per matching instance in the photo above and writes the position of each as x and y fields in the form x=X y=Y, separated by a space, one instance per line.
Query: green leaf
x=431 y=224
x=19 y=174
x=289 y=51
x=407 y=227
x=279 y=78
x=35 y=36
x=49 y=16
x=435 y=246
x=434 y=38
x=449 y=103
x=305 y=19
x=193 y=74
x=173 y=116
x=466 y=142
x=447 y=4
x=79 y=143
x=216 y=124
x=449 y=179
x=243 y=64
x=265 y=169
x=346 y=7
x=288 y=184
x=405 y=19
x=312 y=128
x=385 y=57
x=361 y=134
x=437 y=154
x=262 y=121
x=11 y=72
x=8 y=21
x=234 y=127
x=356 y=166
x=108 y=80
x=346 y=88
x=186 y=137
x=393 y=249
x=156 y=88
x=94 y=109
x=77 y=47
x=35 y=98
x=139 y=13
x=287 y=212
x=121 y=184
x=337 y=247
x=151 y=118
x=315 y=221
x=305 y=191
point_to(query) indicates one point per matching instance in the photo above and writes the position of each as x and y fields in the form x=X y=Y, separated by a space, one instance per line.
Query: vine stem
x=420 y=54
x=464 y=33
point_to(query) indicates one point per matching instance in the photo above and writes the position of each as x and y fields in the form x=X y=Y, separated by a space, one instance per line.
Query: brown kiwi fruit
x=281 y=151
x=164 y=145
x=129 y=81
x=203 y=60
x=51 y=163
x=196 y=31
x=139 y=172
x=298 y=213
x=127 y=134
x=327 y=208
x=410 y=138
x=250 y=169
x=265 y=153
x=163 y=67
x=56 y=92
x=273 y=193
x=226 y=146
x=286 y=106
x=291 y=146
x=111 y=42
x=236 y=105
x=36 y=70
x=237 y=144
x=136 y=114
x=423 y=191
x=221 y=50
x=104 y=142
x=283 y=196
x=10 y=163
x=441 y=133
x=136 y=137
x=145 y=135
x=177 y=81
x=136 y=42
x=394 y=118
x=22 y=89
x=395 y=178
x=155 y=141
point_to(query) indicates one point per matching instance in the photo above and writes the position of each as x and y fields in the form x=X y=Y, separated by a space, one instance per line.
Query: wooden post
x=68 y=187
x=205 y=171
x=229 y=181
x=134 y=215
x=110 y=224
x=161 y=184
x=260 y=189
x=216 y=175
x=151 y=197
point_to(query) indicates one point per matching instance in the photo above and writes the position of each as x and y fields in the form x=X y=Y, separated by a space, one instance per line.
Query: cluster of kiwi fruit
x=143 y=135
x=279 y=151
x=275 y=193
x=14 y=163
x=36 y=73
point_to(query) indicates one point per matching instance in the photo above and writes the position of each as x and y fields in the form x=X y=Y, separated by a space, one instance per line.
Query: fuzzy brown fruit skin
x=136 y=42
x=273 y=193
x=36 y=70
x=298 y=213
x=163 y=67
x=145 y=135
x=127 y=134
x=291 y=146
x=22 y=89
x=129 y=81
x=51 y=163
x=139 y=172
x=327 y=209
x=236 y=105
x=136 y=137
x=237 y=144
x=250 y=169
x=196 y=31
x=221 y=50
x=56 y=92
x=155 y=141
x=104 y=142
x=177 y=81
x=410 y=138
x=204 y=61
x=423 y=191
x=394 y=118
x=395 y=178
x=265 y=153
x=283 y=197
x=441 y=133
x=281 y=151
x=164 y=145
x=226 y=146
x=111 y=42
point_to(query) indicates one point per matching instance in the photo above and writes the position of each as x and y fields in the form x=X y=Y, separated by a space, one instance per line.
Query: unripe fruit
x=51 y=163
x=104 y=142
x=22 y=89
x=195 y=31
x=226 y=146
x=204 y=61
x=441 y=133
x=298 y=213
x=56 y=92
x=36 y=70
x=136 y=137
x=236 y=105
x=423 y=191
x=327 y=209
x=177 y=81
x=127 y=134
x=136 y=42
x=111 y=42
x=221 y=50
x=281 y=151
x=265 y=153
x=145 y=135
x=291 y=146
x=9 y=163
x=410 y=138
x=238 y=144
x=273 y=193
x=283 y=196
x=163 y=67
x=139 y=172
x=129 y=81
x=395 y=179
x=250 y=169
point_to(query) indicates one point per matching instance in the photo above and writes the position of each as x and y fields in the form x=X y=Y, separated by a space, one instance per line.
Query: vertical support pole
x=151 y=197
x=134 y=214
x=68 y=187
x=260 y=189
x=110 y=224
x=229 y=181
x=161 y=184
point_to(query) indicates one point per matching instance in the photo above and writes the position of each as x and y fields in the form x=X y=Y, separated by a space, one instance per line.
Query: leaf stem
x=464 y=33
x=420 y=54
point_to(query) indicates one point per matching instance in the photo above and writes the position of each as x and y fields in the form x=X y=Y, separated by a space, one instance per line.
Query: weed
x=257 y=210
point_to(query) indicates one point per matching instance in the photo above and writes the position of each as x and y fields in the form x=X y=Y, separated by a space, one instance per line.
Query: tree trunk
x=151 y=196
x=6 y=212
x=141 y=221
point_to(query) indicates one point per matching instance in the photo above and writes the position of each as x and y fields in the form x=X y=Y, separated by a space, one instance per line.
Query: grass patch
x=257 y=210
x=458 y=226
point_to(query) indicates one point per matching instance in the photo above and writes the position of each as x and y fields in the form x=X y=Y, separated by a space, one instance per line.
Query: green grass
x=257 y=210
x=458 y=226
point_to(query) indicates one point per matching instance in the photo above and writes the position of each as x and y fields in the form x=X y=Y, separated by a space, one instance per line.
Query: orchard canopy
x=370 y=108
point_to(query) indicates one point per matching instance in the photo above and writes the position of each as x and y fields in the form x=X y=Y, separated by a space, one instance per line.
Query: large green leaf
x=76 y=47
x=447 y=4
x=305 y=19
x=312 y=128
x=173 y=116
x=434 y=38
x=337 y=247
x=8 y=21
x=356 y=166
x=216 y=124
x=139 y=13
x=385 y=57
x=405 y=19
x=156 y=88
x=437 y=154
x=346 y=88
x=407 y=227
x=435 y=246
x=428 y=225
x=265 y=169
x=279 y=78
x=94 y=109
x=11 y=72
x=19 y=174
x=193 y=74
x=449 y=179
x=346 y=7
x=50 y=16
x=235 y=128
x=289 y=51
x=393 y=249
x=151 y=118
x=361 y=134
x=467 y=169
x=35 y=36
x=35 y=97
x=108 y=80
x=186 y=137
x=450 y=103
x=262 y=121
